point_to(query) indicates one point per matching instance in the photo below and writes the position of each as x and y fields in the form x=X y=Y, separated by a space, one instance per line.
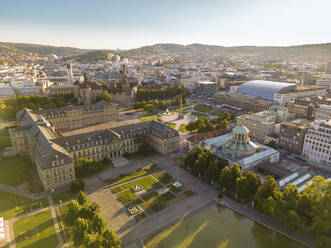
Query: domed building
x=239 y=143
x=236 y=147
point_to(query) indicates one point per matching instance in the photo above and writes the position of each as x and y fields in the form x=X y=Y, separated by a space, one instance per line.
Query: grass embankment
x=202 y=108
x=12 y=205
x=19 y=169
x=36 y=231
x=125 y=177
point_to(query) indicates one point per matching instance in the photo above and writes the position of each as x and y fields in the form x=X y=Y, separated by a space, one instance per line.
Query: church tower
x=69 y=72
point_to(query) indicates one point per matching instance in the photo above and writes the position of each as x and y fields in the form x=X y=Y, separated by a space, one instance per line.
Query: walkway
x=56 y=224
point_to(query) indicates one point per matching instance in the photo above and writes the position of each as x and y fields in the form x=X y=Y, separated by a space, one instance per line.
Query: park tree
x=71 y=215
x=80 y=231
x=109 y=239
x=267 y=189
x=82 y=198
x=272 y=144
x=104 y=96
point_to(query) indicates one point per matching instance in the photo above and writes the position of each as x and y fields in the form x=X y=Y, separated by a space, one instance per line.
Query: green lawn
x=13 y=205
x=4 y=138
x=150 y=118
x=163 y=177
x=172 y=125
x=18 y=169
x=128 y=198
x=140 y=155
x=199 y=114
x=64 y=196
x=158 y=203
x=202 y=108
x=137 y=173
x=147 y=182
x=184 y=108
x=149 y=195
x=36 y=231
x=182 y=128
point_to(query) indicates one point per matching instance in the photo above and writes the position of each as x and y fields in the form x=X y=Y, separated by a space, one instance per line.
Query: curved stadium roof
x=265 y=89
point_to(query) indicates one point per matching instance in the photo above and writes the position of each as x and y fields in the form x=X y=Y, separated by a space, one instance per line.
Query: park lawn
x=163 y=177
x=150 y=118
x=64 y=196
x=5 y=138
x=14 y=170
x=181 y=197
x=199 y=114
x=182 y=128
x=12 y=205
x=19 y=169
x=184 y=108
x=147 y=182
x=157 y=203
x=172 y=125
x=128 y=198
x=134 y=156
x=137 y=173
x=36 y=231
x=202 y=108
x=149 y=195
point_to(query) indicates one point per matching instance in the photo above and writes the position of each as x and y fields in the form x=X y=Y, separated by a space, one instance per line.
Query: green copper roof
x=240 y=129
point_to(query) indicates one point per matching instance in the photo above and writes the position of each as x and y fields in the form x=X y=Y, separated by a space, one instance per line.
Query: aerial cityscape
x=165 y=124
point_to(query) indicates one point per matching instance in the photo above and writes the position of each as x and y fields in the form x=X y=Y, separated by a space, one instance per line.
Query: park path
x=56 y=224
x=26 y=194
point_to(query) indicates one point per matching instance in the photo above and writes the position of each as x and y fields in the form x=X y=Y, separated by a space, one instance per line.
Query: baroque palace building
x=80 y=116
x=55 y=156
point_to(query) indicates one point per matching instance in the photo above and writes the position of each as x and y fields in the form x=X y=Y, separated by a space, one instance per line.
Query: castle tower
x=69 y=72
x=124 y=79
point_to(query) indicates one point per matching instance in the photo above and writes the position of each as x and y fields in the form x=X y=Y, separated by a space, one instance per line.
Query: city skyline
x=125 y=25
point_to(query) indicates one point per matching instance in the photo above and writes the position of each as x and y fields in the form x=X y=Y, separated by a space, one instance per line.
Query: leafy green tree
x=267 y=189
x=80 y=231
x=272 y=144
x=71 y=215
x=110 y=240
x=82 y=198
x=104 y=96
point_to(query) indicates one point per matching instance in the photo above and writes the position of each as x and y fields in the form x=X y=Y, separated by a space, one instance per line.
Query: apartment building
x=317 y=143
x=292 y=134
x=262 y=124
x=323 y=112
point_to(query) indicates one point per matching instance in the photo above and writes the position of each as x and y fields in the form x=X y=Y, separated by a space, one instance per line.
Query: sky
x=125 y=24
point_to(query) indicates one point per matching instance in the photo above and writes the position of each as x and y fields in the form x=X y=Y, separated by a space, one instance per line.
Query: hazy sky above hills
x=134 y=23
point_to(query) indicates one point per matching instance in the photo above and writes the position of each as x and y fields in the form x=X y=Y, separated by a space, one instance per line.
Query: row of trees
x=156 y=104
x=9 y=107
x=204 y=125
x=308 y=211
x=150 y=94
x=88 y=227
x=204 y=164
x=85 y=166
x=104 y=96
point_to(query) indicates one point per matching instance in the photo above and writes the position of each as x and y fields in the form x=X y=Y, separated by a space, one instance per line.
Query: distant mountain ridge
x=307 y=52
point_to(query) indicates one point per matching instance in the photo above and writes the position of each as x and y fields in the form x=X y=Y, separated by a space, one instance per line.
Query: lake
x=219 y=227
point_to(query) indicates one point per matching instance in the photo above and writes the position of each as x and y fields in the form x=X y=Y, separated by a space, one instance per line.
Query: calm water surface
x=219 y=227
